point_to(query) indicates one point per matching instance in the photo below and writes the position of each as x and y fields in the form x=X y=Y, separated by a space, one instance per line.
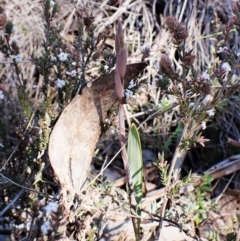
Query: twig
x=183 y=10
x=12 y=202
x=238 y=235
x=225 y=170
x=225 y=188
x=11 y=62
x=128 y=117
x=67 y=25
x=154 y=15
x=103 y=169
x=19 y=185
x=157 y=112
x=177 y=154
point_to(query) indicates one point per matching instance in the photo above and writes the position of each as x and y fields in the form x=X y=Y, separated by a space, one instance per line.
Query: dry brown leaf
x=74 y=136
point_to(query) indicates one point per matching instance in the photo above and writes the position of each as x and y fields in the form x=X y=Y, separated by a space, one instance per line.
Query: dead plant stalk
x=177 y=154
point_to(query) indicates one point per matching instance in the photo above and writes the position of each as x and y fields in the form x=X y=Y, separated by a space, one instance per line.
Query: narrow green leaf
x=136 y=166
x=135 y=161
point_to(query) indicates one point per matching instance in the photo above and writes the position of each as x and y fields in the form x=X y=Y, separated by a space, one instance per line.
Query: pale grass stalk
x=69 y=21
x=182 y=10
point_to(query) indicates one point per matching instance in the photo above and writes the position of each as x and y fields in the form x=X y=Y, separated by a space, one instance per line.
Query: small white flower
x=156 y=66
x=191 y=104
x=17 y=58
x=210 y=112
x=1 y=95
x=14 y=40
x=199 y=107
x=62 y=56
x=74 y=63
x=205 y=76
x=1 y=145
x=203 y=125
x=46 y=226
x=15 y=30
x=141 y=89
x=108 y=121
x=5 y=33
x=51 y=207
x=226 y=67
x=153 y=85
x=60 y=83
x=145 y=48
x=128 y=93
x=52 y=3
x=159 y=77
x=222 y=49
x=53 y=58
x=131 y=84
x=73 y=73
x=20 y=226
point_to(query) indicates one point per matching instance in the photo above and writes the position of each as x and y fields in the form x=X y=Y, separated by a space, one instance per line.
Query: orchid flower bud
x=119 y=39
x=118 y=85
x=121 y=62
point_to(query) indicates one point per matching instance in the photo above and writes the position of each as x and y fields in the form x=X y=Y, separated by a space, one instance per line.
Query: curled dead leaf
x=75 y=134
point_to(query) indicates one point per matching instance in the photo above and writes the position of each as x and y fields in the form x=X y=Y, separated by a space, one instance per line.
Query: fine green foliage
x=202 y=200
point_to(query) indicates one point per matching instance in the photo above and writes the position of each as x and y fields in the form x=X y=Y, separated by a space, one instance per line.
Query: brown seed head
x=15 y=48
x=206 y=88
x=166 y=64
x=178 y=31
x=96 y=55
x=175 y=89
x=188 y=60
x=171 y=23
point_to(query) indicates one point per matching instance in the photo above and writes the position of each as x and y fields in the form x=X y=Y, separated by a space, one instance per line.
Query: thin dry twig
x=177 y=154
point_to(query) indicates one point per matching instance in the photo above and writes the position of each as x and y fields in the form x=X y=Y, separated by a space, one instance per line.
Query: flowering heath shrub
x=63 y=69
